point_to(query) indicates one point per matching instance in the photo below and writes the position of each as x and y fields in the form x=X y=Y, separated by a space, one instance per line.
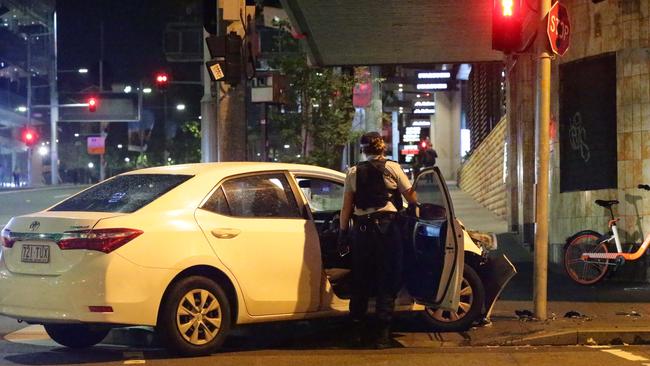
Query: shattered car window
x=126 y=193
x=261 y=196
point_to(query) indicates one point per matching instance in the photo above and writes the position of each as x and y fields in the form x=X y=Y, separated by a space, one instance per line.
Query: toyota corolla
x=193 y=250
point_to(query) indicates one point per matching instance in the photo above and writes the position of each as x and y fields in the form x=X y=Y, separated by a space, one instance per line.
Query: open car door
x=434 y=250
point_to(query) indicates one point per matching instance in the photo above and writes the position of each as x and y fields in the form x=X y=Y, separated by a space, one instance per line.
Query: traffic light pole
x=540 y=284
x=54 y=106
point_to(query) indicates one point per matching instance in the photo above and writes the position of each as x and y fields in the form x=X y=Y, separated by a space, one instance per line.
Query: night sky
x=133 y=33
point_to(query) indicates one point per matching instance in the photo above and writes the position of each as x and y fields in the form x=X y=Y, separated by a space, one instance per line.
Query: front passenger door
x=435 y=255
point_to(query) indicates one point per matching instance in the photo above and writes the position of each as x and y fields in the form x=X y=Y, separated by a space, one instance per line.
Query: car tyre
x=472 y=297
x=194 y=317
x=76 y=335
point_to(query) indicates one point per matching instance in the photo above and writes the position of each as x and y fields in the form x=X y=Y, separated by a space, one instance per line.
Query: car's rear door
x=435 y=254
x=258 y=229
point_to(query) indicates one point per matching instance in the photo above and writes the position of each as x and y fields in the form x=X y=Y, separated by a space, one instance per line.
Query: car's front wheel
x=194 y=318
x=76 y=335
x=472 y=297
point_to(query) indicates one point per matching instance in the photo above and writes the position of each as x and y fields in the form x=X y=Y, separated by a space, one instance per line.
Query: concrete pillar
x=374 y=112
x=445 y=132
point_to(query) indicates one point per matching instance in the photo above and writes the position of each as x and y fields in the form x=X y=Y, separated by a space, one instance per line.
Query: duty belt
x=363 y=221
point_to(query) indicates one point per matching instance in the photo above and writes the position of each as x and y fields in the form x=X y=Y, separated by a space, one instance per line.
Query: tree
x=186 y=147
x=318 y=115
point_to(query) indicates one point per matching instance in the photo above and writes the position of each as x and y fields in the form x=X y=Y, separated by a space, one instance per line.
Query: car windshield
x=126 y=193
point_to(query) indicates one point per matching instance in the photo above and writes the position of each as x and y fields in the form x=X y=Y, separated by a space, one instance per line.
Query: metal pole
x=29 y=107
x=54 y=107
x=541 y=202
x=265 y=127
x=102 y=125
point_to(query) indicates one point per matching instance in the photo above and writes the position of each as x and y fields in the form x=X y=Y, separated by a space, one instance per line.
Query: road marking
x=626 y=355
x=62 y=195
x=134 y=358
x=34 y=335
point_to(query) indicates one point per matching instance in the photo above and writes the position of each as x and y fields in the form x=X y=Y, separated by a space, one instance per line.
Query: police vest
x=371 y=189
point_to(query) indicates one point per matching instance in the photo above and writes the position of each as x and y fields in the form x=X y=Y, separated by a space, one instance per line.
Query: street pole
x=102 y=125
x=29 y=107
x=54 y=106
x=541 y=203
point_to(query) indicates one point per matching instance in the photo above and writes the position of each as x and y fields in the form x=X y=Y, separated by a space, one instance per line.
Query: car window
x=322 y=195
x=217 y=203
x=267 y=195
x=429 y=190
x=125 y=193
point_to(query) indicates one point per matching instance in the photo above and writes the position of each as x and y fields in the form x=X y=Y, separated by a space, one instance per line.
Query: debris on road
x=628 y=313
x=572 y=314
x=525 y=315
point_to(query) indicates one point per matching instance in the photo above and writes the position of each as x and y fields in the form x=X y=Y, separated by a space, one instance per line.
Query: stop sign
x=558 y=28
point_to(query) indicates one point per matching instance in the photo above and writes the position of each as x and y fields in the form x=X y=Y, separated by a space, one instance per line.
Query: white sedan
x=193 y=250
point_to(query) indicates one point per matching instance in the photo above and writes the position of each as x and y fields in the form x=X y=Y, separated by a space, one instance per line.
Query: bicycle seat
x=606 y=204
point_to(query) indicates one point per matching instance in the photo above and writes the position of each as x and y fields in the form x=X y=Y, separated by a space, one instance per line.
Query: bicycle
x=586 y=256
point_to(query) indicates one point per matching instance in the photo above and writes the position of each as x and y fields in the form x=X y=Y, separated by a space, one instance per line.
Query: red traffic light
x=92 y=104
x=162 y=80
x=507 y=7
x=29 y=136
x=423 y=144
x=507 y=25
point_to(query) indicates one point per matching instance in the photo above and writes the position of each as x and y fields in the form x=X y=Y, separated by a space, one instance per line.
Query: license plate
x=35 y=254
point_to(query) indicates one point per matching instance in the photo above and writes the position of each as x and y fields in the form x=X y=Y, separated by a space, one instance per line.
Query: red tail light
x=102 y=240
x=7 y=240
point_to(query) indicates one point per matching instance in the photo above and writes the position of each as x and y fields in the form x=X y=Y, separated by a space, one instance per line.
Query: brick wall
x=482 y=174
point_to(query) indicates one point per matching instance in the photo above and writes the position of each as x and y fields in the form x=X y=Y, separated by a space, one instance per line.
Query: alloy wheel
x=198 y=317
x=465 y=304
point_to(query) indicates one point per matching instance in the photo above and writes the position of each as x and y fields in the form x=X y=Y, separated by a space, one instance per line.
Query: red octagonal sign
x=559 y=28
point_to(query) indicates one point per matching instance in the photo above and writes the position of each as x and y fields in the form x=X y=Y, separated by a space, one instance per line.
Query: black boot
x=383 y=339
x=357 y=338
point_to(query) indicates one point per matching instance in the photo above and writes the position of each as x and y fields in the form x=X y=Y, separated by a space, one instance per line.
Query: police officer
x=373 y=196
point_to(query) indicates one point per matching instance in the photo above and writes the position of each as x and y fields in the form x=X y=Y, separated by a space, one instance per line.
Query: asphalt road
x=24 y=201
x=24 y=354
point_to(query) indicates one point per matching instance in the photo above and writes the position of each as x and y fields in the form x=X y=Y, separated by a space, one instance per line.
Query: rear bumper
x=133 y=292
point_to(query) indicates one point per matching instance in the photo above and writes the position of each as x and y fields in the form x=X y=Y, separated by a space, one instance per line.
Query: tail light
x=7 y=240
x=102 y=240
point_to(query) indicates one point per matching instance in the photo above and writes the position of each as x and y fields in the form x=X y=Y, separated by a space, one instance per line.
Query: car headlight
x=486 y=241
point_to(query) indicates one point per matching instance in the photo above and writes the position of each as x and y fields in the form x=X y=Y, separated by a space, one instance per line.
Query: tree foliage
x=319 y=111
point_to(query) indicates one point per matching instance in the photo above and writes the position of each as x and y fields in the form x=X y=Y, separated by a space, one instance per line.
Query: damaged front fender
x=495 y=273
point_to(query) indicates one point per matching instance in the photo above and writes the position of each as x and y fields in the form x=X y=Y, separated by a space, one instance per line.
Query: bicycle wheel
x=585 y=272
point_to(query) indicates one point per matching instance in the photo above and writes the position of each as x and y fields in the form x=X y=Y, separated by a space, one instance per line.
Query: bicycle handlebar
x=644 y=186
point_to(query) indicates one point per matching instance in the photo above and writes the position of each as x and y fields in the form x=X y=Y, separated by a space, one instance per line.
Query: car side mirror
x=430 y=211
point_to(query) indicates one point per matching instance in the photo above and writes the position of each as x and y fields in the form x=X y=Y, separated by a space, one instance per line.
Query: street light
x=127 y=89
x=83 y=71
x=180 y=107
x=43 y=150
x=146 y=90
x=91 y=165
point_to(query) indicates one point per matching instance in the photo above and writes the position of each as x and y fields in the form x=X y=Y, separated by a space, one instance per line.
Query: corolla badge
x=34 y=226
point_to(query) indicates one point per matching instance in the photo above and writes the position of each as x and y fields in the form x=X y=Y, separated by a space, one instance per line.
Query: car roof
x=232 y=168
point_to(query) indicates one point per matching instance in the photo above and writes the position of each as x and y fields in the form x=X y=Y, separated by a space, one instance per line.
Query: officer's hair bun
x=375 y=147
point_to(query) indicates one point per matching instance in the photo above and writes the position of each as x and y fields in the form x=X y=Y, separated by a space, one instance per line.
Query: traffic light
x=92 y=104
x=423 y=145
x=162 y=81
x=226 y=53
x=506 y=25
x=29 y=136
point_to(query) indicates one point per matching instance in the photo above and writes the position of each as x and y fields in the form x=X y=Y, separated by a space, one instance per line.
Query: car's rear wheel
x=76 y=335
x=472 y=297
x=194 y=318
